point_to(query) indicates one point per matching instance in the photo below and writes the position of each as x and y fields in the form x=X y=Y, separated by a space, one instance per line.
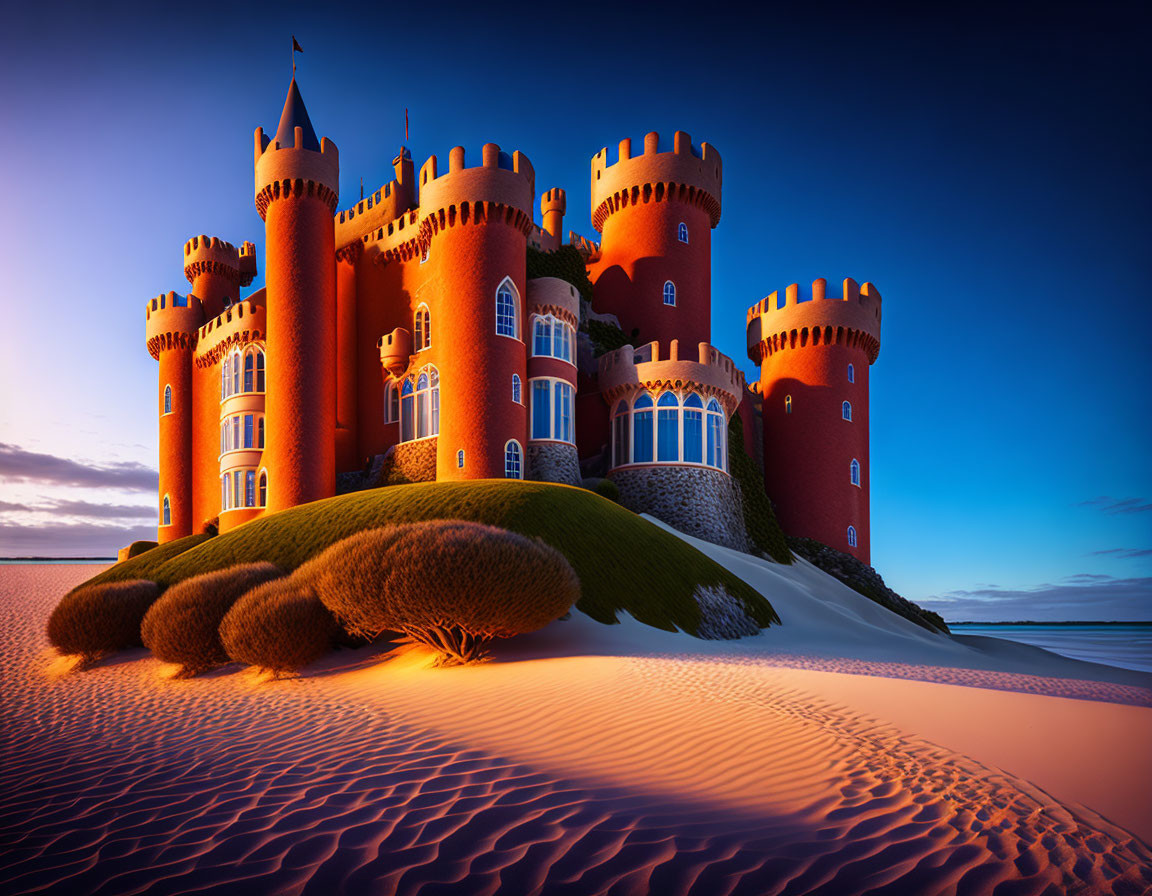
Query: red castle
x=403 y=333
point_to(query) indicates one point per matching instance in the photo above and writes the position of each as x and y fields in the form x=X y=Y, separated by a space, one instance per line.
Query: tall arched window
x=460 y=459
x=516 y=388
x=166 y=513
x=682 y=232
x=167 y=399
x=693 y=429
x=236 y=373
x=667 y=428
x=259 y=370
x=507 y=309
x=249 y=372
x=642 y=429
x=249 y=431
x=423 y=328
x=855 y=471
x=851 y=536
x=423 y=406
x=250 y=488
x=263 y=488
x=846 y=411
x=621 y=444
x=669 y=293
x=851 y=374
x=787 y=404
x=716 y=435
x=260 y=432
x=513 y=461
x=407 y=401
x=541 y=337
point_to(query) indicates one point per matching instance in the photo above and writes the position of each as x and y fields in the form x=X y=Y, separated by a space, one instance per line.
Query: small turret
x=217 y=270
x=553 y=205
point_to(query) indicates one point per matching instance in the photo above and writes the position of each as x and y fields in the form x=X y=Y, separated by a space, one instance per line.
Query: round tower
x=479 y=218
x=656 y=212
x=217 y=269
x=297 y=182
x=553 y=205
x=172 y=325
x=814 y=356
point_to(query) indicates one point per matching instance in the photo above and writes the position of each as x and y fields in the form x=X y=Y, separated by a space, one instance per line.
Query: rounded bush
x=450 y=584
x=183 y=625
x=280 y=625
x=94 y=620
x=606 y=488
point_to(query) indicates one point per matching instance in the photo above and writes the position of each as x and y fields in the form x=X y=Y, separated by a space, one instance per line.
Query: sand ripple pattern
x=117 y=781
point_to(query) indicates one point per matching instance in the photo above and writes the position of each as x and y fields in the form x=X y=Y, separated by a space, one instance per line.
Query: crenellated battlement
x=380 y=209
x=172 y=321
x=681 y=173
x=817 y=318
x=630 y=369
x=240 y=324
x=295 y=170
x=502 y=187
x=204 y=254
x=551 y=295
x=554 y=200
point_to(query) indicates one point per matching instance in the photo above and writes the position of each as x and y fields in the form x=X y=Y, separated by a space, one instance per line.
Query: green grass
x=624 y=562
x=145 y=565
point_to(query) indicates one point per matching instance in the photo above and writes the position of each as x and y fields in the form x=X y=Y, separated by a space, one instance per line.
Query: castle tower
x=479 y=218
x=217 y=270
x=814 y=357
x=172 y=325
x=656 y=212
x=297 y=183
x=553 y=205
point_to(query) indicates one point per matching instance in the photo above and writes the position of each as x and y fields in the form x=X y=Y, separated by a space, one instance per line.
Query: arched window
x=716 y=435
x=507 y=309
x=249 y=432
x=667 y=428
x=166 y=513
x=846 y=411
x=562 y=424
x=851 y=374
x=263 y=488
x=407 y=401
x=259 y=371
x=693 y=429
x=423 y=328
x=855 y=471
x=167 y=399
x=236 y=373
x=541 y=336
x=460 y=459
x=260 y=432
x=513 y=461
x=516 y=388
x=250 y=488
x=787 y=404
x=682 y=232
x=552 y=338
x=669 y=293
x=423 y=406
x=851 y=536
x=621 y=445
x=541 y=409
x=249 y=370
x=642 y=429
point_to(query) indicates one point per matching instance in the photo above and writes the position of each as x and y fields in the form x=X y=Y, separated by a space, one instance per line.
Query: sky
x=986 y=168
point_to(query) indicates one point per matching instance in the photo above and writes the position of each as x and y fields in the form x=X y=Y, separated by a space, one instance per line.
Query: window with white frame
x=682 y=232
x=391 y=402
x=167 y=399
x=851 y=374
x=846 y=411
x=670 y=429
x=422 y=328
x=854 y=472
x=420 y=405
x=669 y=293
x=852 y=536
x=263 y=492
x=667 y=428
x=516 y=397
x=460 y=459
x=551 y=411
x=242 y=371
x=507 y=309
x=513 y=460
x=552 y=338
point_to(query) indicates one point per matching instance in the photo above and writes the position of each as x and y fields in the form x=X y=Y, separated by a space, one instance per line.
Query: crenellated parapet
x=211 y=255
x=395 y=351
x=243 y=323
x=629 y=370
x=501 y=189
x=551 y=295
x=375 y=212
x=173 y=321
x=295 y=170
x=851 y=319
x=682 y=174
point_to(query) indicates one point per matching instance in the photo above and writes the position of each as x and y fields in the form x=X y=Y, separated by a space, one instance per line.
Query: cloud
x=1114 y=506
x=20 y=465
x=69 y=540
x=1080 y=597
x=89 y=509
x=1125 y=553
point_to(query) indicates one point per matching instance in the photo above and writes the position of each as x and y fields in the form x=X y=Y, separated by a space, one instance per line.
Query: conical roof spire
x=296 y=116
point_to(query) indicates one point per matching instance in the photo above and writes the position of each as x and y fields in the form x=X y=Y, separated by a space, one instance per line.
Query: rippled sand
x=558 y=772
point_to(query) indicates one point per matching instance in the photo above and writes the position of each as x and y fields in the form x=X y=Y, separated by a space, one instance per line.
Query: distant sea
x=1124 y=644
x=53 y=561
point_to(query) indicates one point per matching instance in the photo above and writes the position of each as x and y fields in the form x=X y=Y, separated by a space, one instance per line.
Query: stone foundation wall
x=553 y=462
x=698 y=501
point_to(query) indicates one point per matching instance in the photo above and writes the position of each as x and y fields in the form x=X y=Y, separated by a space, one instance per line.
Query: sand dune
x=638 y=762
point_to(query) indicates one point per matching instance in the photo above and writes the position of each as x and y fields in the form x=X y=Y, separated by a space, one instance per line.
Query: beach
x=845 y=751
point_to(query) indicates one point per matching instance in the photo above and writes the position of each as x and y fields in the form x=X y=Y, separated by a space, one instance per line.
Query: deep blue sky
x=988 y=170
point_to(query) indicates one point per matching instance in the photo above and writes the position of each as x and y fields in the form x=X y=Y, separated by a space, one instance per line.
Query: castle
x=404 y=329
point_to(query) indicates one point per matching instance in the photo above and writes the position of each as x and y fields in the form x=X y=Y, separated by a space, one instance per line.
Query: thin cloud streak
x=20 y=465
x=1125 y=553
x=87 y=509
x=1080 y=597
x=1114 y=506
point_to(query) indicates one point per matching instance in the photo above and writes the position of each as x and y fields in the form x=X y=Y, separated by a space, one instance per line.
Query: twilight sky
x=987 y=170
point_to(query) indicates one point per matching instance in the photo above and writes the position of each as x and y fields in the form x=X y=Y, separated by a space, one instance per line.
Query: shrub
x=183 y=626
x=450 y=584
x=94 y=620
x=280 y=625
x=210 y=527
x=606 y=488
x=137 y=548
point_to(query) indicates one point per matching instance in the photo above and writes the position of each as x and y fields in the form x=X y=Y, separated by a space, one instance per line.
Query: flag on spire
x=296 y=48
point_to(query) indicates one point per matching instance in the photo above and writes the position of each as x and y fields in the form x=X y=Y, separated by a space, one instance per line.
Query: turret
x=217 y=270
x=656 y=211
x=814 y=355
x=172 y=327
x=297 y=183
x=553 y=205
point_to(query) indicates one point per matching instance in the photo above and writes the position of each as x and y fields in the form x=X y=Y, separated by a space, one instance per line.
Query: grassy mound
x=144 y=566
x=624 y=562
x=95 y=619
